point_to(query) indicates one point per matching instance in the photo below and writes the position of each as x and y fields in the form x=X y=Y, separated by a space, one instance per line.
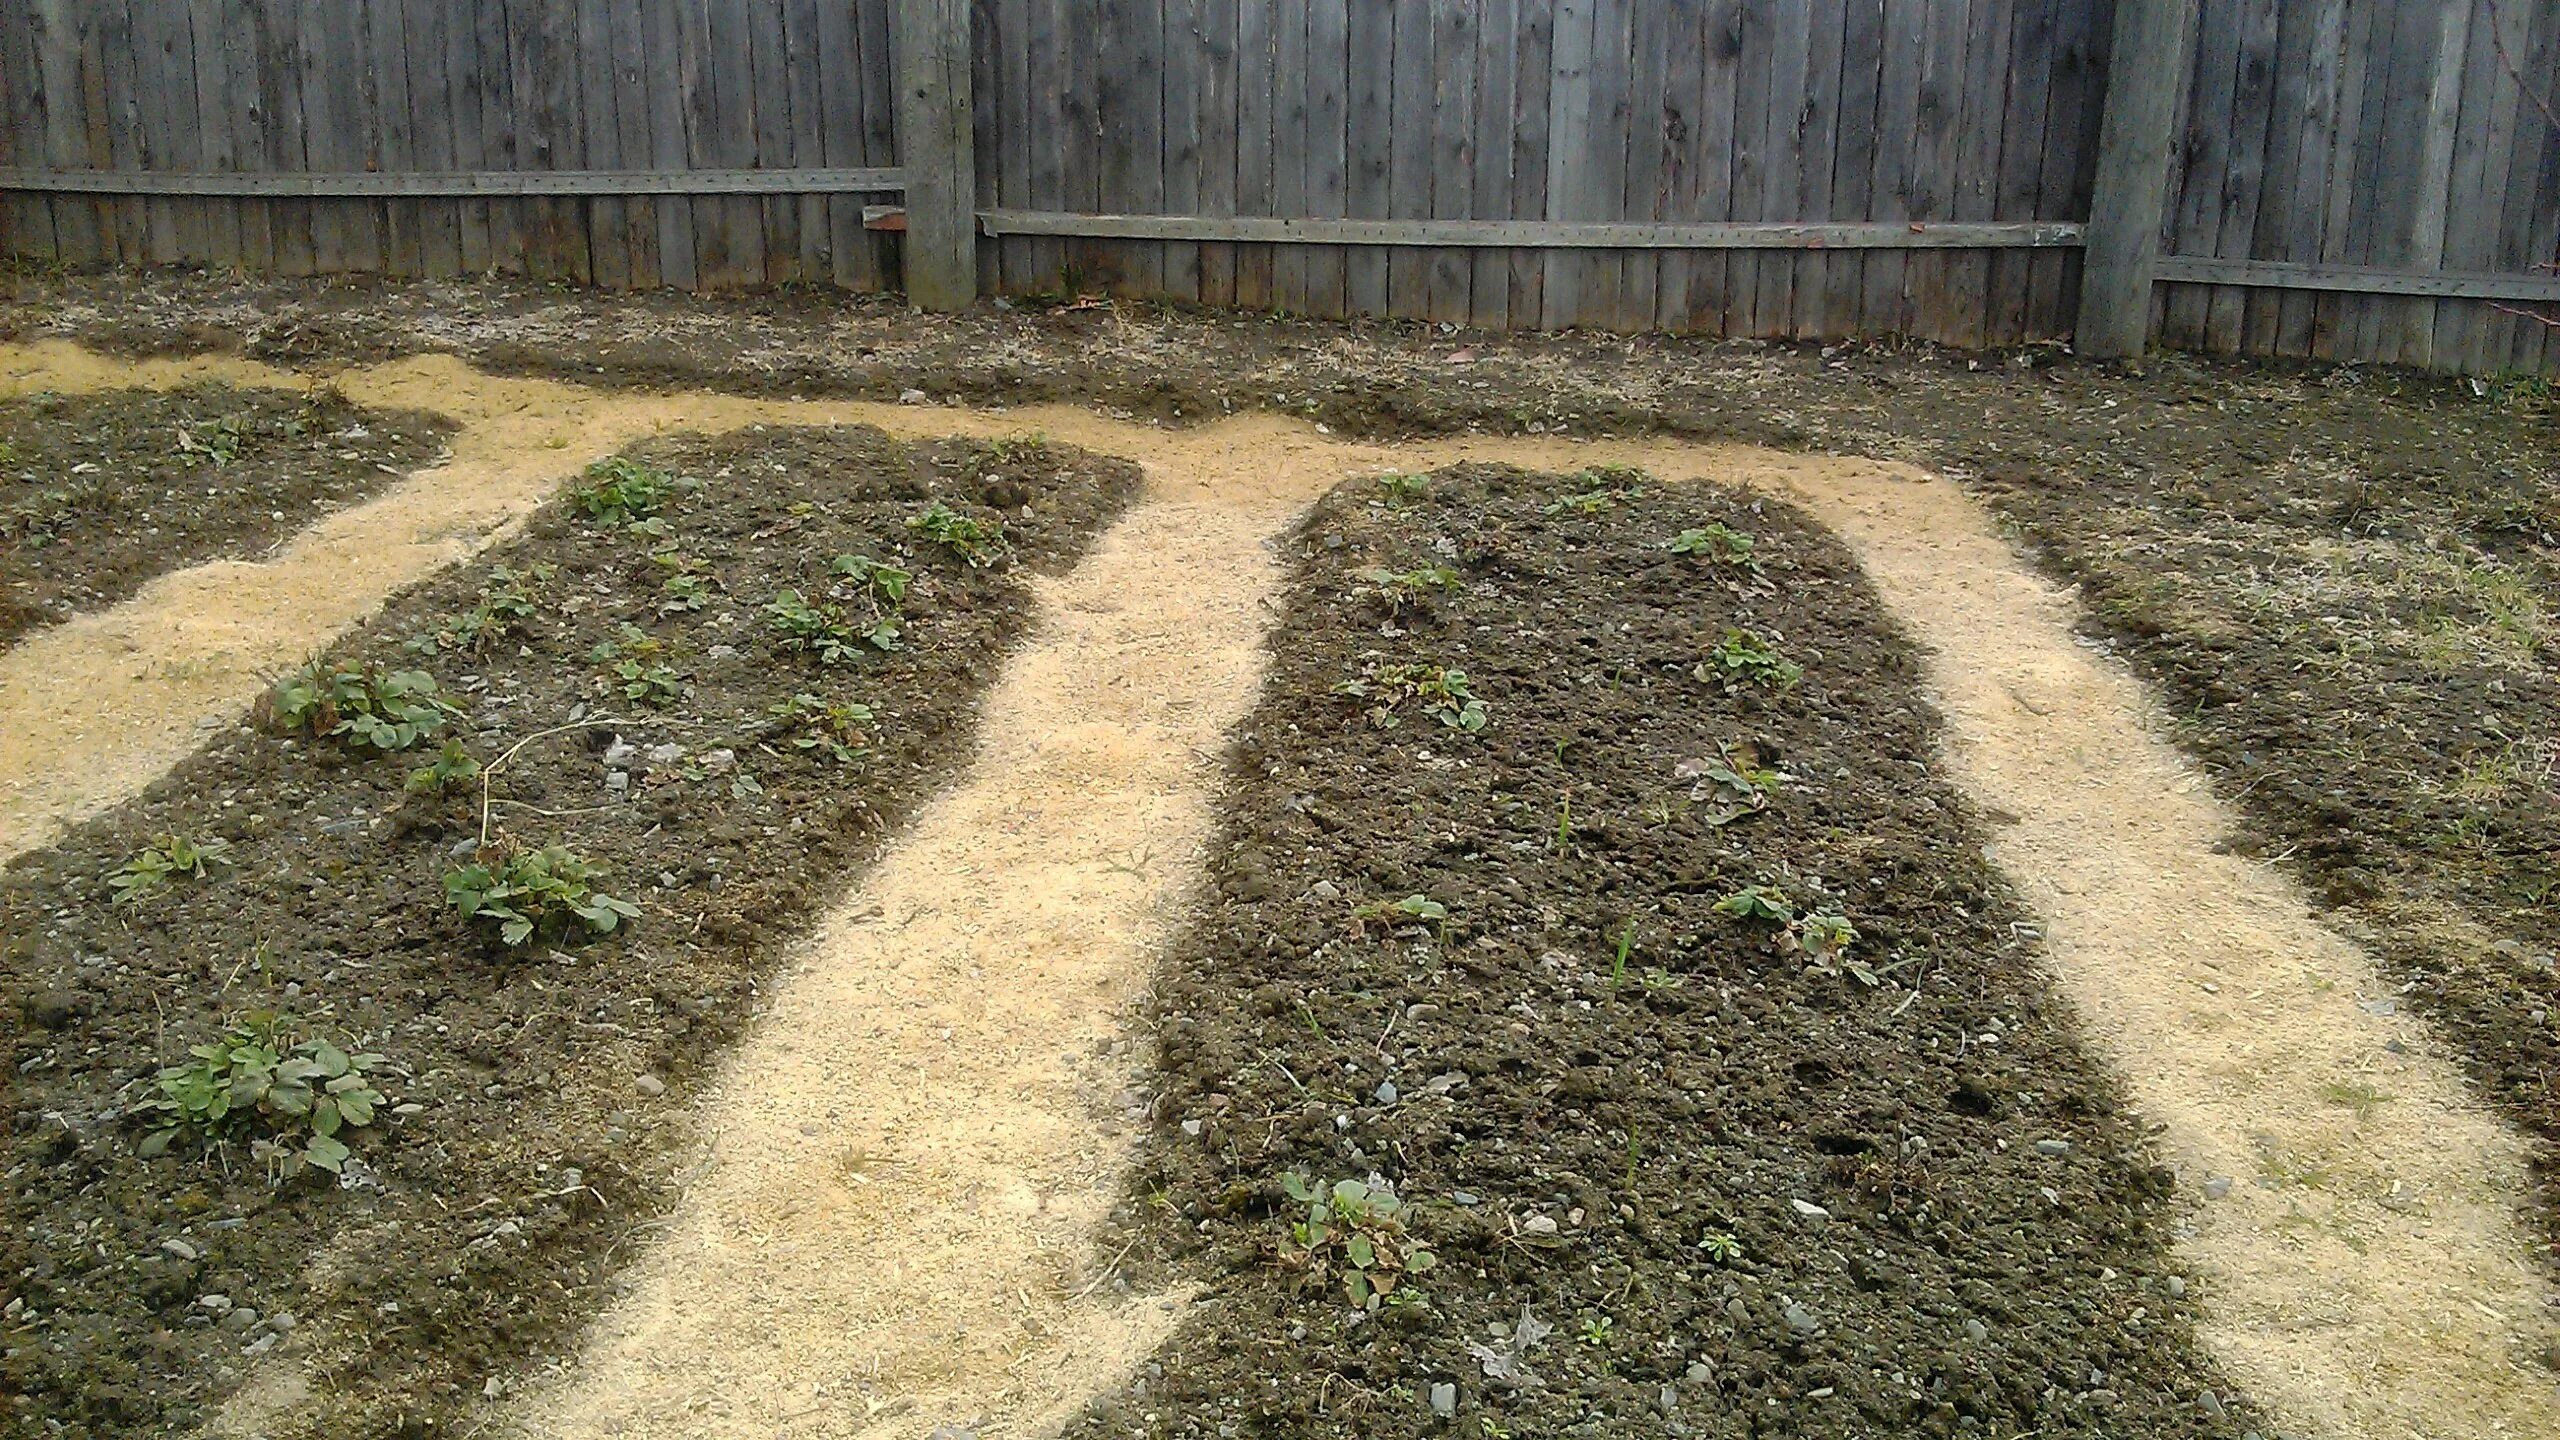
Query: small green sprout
x=1411 y=910
x=1399 y=587
x=1442 y=692
x=1722 y=1246
x=978 y=542
x=163 y=860
x=453 y=766
x=1720 y=543
x=1758 y=902
x=1400 y=488
x=838 y=730
x=509 y=599
x=887 y=584
x=1742 y=658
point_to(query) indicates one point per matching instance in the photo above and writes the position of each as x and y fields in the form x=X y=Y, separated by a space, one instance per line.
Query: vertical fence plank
x=1325 y=128
x=769 y=135
x=1782 y=161
x=1605 y=166
x=1215 y=114
x=1570 y=178
x=388 y=49
x=1531 y=139
x=1256 y=125
x=2203 y=160
x=1648 y=120
x=2339 y=238
x=2315 y=153
x=1180 y=162
x=426 y=26
x=1883 y=311
x=2023 y=130
x=2124 y=228
x=1755 y=39
x=2244 y=182
x=1488 y=177
x=2262 y=309
x=1454 y=43
x=1983 y=105
x=216 y=113
x=1368 y=123
x=1683 y=72
x=1408 y=146
x=1826 y=38
x=27 y=217
x=933 y=133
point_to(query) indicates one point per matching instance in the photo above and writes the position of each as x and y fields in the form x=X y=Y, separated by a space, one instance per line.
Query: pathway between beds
x=907 y=1158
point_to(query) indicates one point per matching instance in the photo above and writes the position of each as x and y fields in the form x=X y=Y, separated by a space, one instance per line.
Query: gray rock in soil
x=1700 y=1372
x=1666 y=1399
x=1799 y=1319
x=2176 y=1285
x=180 y=1249
x=2209 y=1403
x=239 y=1318
x=2055 y=1148
x=1976 y=1330
x=2217 y=1187
x=1739 y=1312
x=1444 y=1400
x=1809 y=1210
x=1387 y=1092
x=649 y=1085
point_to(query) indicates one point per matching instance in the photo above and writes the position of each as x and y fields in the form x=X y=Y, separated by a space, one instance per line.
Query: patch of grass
x=536 y=894
x=365 y=707
x=168 y=858
x=294 y=1095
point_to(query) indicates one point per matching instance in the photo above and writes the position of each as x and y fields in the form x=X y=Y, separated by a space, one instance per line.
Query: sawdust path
x=907 y=1158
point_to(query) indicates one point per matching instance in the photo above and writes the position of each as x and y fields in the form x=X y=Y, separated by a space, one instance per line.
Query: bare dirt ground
x=2305 y=1149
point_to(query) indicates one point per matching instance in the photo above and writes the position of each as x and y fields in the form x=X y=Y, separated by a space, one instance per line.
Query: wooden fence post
x=936 y=151
x=2146 y=71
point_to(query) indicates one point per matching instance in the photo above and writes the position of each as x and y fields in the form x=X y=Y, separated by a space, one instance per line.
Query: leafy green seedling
x=1720 y=543
x=452 y=766
x=838 y=730
x=1742 y=658
x=1722 y=1246
x=620 y=491
x=1597 y=1330
x=1399 y=488
x=978 y=542
x=887 y=584
x=297 y=1094
x=1731 y=786
x=536 y=893
x=822 y=629
x=363 y=706
x=1442 y=693
x=215 y=444
x=1758 y=902
x=1359 y=1231
x=1399 y=587
x=163 y=860
x=509 y=599
x=687 y=588
x=1411 y=910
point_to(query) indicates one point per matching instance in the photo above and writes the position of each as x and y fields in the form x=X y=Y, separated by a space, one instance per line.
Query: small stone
x=180 y=1249
x=2209 y=1403
x=912 y=397
x=1444 y=1400
x=1735 y=1310
x=1666 y=1400
x=282 y=1322
x=2217 y=1187
x=649 y=1085
x=2054 y=1148
x=2176 y=1286
x=1539 y=1224
x=1700 y=1372
x=1387 y=1092
x=1809 y=1210
x=1976 y=1330
x=1326 y=890
x=1799 y=1319
x=239 y=1318
x=215 y=1301
x=1191 y=1128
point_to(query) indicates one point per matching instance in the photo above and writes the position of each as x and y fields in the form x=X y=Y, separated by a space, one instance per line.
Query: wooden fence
x=2357 y=179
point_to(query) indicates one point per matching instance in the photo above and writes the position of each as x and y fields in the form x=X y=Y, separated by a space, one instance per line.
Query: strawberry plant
x=821 y=628
x=1742 y=658
x=1440 y=692
x=363 y=706
x=620 y=491
x=1398 y=587
x=979 y=543
x=295 y=1095
x=163 y=860
x=886 y=584
x=530 y=894
x=1720 y=543
x=1358 y=1230
x=838 y=730
x=452 y=766
x=509 y=599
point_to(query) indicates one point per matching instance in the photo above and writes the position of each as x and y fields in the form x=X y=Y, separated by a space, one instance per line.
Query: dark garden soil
x=1753 y=1191
x=99 y=493
x=534 y=1099
x=2340 y=579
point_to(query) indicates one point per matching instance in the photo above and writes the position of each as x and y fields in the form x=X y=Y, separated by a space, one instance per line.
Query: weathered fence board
x=2352 y=179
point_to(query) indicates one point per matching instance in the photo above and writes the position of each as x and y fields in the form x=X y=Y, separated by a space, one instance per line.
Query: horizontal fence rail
x=497 y=182
x=1540 y=234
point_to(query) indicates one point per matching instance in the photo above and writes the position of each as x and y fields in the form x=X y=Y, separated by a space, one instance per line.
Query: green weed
x=1400 y=489
x=452 y=766
x=1722 y=1246
x=1720 y=543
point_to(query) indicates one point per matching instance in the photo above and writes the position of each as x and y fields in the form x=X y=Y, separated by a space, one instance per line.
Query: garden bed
x=531 y=1097
x=1559 y=962
x=100 y=493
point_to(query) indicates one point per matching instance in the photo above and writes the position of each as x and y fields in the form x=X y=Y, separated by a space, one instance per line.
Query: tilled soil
x=540 y=1093
x=1753 y=1190
x=99 y=493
